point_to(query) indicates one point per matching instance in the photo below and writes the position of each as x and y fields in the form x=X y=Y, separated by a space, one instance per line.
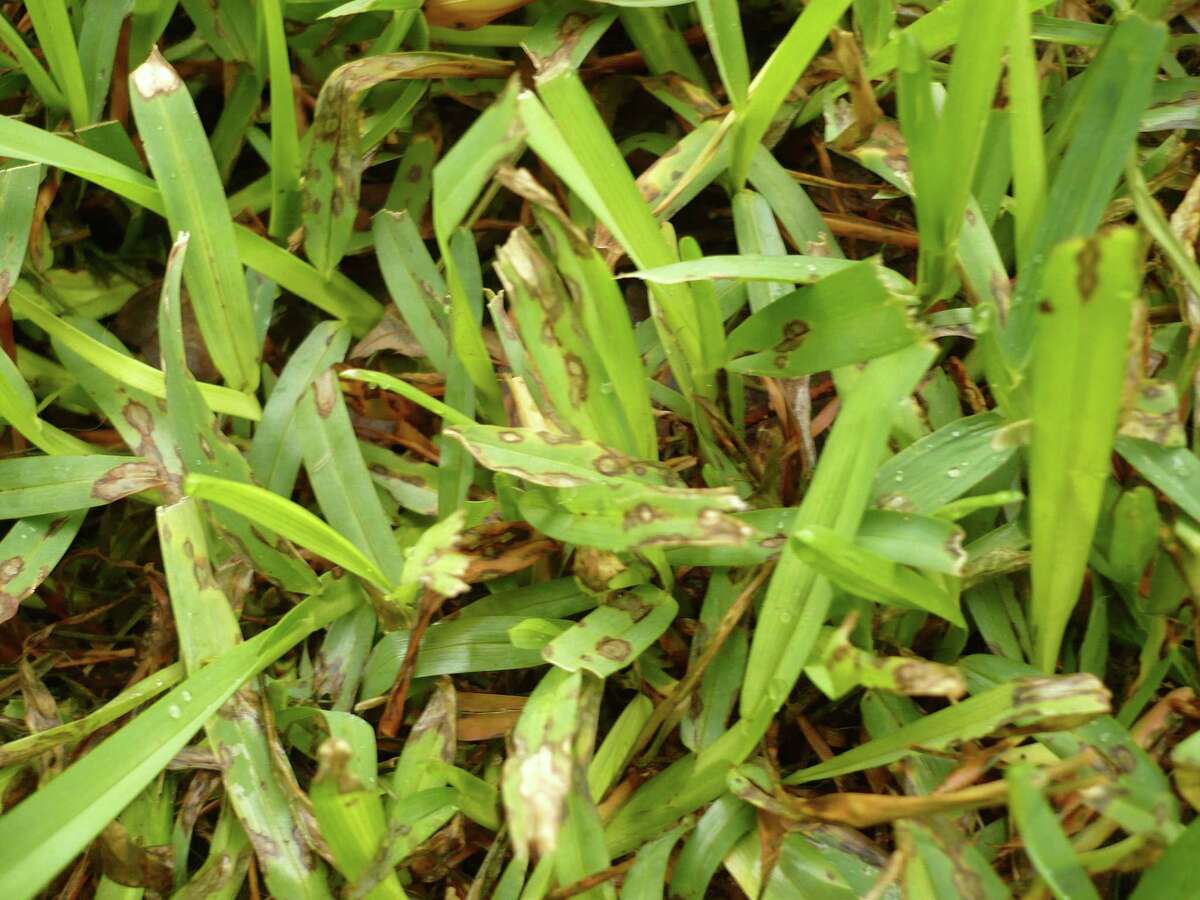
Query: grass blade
x=285 y=139
x=1077 y=372
x=1103 y=124
x=57 y=38
x=1025 y=706
x=274 y=460
x=776 y=78
x=339 y=477
x=18 y=194
x=118 y=365
x=40 y=836
x=292 y=521
x=1045 y=844
x=29 y=552
x=1028 y=138
x=787 y=631
x=194 y=200
x=333 y=166
x=203 y=447
x=257 y=789
x=53 y=485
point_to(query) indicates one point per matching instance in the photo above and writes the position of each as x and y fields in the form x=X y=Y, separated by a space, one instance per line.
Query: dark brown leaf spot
x=577 y=378
x=1088 y=261
x=793 y=336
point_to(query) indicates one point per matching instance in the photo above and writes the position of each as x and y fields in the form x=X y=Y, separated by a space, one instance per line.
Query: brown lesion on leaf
x=557 y=440
x=718 y=526
x=611 y=464
x=794 y=333
x=577 y=378
x=10 y=568
x=631 y=603
x=126 y=479
x=9 y=602
x=1088 y=261
x=614 y=648
x=325 y=391
x=642 y=514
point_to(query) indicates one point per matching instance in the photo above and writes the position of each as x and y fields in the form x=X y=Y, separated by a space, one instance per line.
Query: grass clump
x=575 y=449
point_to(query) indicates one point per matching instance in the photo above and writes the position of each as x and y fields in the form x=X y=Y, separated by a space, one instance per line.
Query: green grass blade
x=494 y=139
x=18 y=194
x=758 y=235
x=944 y=465
x=721 y=826
x=746 y=267
x=867 y=574
x=964 y=117
x=1172 y=868
x=289 y=519
x=41 y=82
x=663 y=47
x=1047 y=847
x=53 y=485
x=18 y=407
x=1173 y=470
x=1109 y=106
x=648 y=876
x=1028 y=138
x=202 y=447
x=413 y=281
x=337 y=295
x=137 y=417
x=776 y=78
x=194 y=200
x=850 y=317
x=56 y=36
x=75 y=731
x=1077 y=372
x=30 y=551
x=350 y=812
x=722 y=24
x=285 y=139
x=120 y=366
x=40 y=836
x=98 y=40
x=274 y=460
x=1028 y=705
x=208 y=630
x=340 y=479
x=798 y=599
